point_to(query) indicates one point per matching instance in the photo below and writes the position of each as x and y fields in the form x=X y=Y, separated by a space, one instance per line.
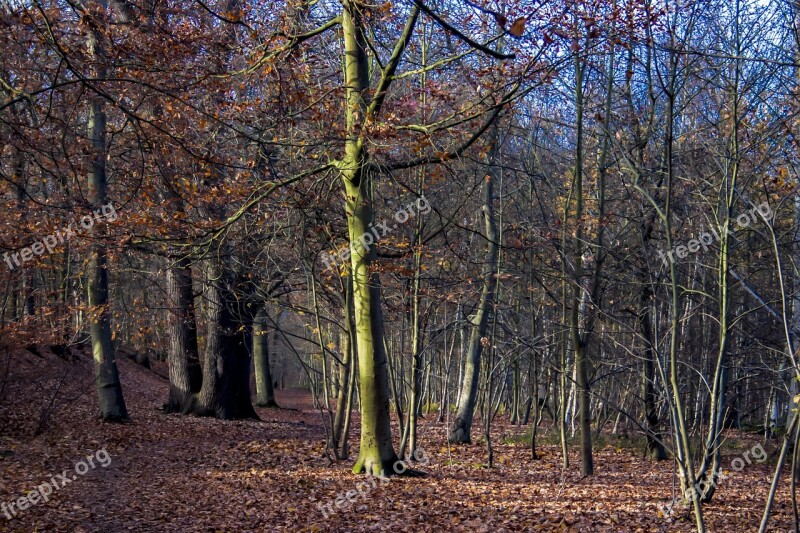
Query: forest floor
x=175 y=473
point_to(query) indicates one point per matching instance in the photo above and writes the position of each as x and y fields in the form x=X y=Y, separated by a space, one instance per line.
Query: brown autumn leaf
x=518 y=28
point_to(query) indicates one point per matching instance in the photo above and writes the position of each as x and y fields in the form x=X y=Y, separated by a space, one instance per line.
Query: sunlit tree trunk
x=376 y=453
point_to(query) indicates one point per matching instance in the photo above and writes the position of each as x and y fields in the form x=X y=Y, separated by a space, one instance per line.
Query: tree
x=109 y=388
x=479 y=321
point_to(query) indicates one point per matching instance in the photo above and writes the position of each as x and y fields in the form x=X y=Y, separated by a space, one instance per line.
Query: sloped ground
x=172 y=473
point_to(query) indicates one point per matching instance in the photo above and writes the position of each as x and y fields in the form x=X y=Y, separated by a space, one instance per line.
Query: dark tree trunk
x=225 y=392
x=265 y=393
x=185 y=372
x=655 y=446
x=109 y=388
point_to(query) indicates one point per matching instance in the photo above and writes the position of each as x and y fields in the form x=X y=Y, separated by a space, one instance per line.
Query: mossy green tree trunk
x=376 y=454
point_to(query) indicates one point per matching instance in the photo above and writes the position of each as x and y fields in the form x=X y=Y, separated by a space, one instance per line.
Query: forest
x=422 y=265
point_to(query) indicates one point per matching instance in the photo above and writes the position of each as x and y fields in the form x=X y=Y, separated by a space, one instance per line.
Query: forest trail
x=175 y=473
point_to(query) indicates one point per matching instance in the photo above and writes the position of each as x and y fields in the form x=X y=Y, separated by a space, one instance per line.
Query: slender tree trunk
x=578 y=341
x=794 y=385
x=109 y=388
x=655 y=445
x=342 y=399
x=563 y=397
x=344 y=405
x=415 y=402
x=29 y=276
x=680 y=431
x=711 y=463
x=416 y=361
x=351 y=386
x=465 y=410
x=444 y=408
x=265 y=394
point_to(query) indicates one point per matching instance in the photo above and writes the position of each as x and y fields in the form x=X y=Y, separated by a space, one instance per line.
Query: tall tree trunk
x=414 y=403
x=465 y=410
x=109 y=388
x=578 y=341
x=376 y=454
x=209 y=399
x=794 y=385
x=683 y=450
x=225 y=391
x=711 y=463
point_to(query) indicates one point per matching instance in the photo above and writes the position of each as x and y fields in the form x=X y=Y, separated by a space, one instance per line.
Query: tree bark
x=376 y=454
x=265 y=394
x=578 y=340
x=109 y=388
x=465 y=410
x=185 y=372
x=225 y=391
